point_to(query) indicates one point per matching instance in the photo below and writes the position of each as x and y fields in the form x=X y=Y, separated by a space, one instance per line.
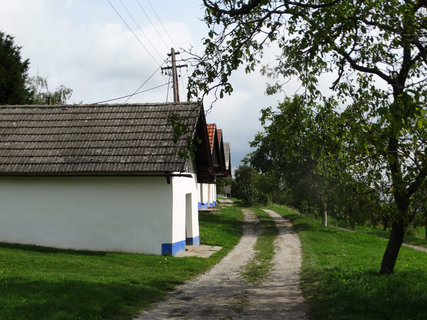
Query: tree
x=377 y=50
x=299 y=146
x=13 y=72
x=40 y=93
x=244 y=185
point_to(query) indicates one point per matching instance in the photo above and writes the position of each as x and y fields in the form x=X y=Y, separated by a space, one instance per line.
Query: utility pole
x=174 y=74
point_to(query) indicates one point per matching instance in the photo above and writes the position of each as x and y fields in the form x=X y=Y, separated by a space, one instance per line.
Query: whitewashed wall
x=214 y=194
x=206 y=193
x=199 y=195
x=185 y=212
x=132 y=214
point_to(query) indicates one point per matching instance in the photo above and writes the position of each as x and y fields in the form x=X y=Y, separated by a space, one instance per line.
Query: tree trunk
x=392 y=251
x=325 y=214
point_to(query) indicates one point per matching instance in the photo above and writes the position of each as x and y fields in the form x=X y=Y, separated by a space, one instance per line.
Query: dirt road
x=222 y=293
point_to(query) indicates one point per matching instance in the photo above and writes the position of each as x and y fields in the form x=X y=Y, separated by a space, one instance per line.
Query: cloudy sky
x=86 y=46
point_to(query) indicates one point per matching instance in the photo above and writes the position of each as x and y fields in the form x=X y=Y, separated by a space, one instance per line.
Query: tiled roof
x=211 y=134
x=219 y=133
x=93 y=139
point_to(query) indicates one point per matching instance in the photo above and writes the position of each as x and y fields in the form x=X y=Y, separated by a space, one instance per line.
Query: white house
x=102 y=177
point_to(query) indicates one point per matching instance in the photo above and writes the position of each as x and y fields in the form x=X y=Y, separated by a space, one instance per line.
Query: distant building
x=218 y=149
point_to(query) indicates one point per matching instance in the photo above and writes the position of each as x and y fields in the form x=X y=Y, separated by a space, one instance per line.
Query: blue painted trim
x=211 y=204
x=203 y=205
x=171 y=249
x=214 y=203
x=193 y=241
x=199 y=204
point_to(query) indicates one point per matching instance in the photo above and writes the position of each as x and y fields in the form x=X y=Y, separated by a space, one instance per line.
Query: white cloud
x=85 y=46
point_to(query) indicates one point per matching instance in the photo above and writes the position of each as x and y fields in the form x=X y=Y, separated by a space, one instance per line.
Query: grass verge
x=413 y=236
x=340 y=274
x=45 y=283
x=257 y=269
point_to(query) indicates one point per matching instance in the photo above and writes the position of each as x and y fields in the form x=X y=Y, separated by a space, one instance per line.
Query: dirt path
x=222 y=293
x=279 y=296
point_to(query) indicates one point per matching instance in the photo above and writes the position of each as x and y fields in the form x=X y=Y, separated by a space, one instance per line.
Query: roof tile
x=92 y=139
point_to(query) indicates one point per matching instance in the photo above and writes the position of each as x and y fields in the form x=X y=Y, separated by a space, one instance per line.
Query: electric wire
x=158 y=18
x=137 y=38
x=148 y=79
x=152 y=24
x=122 y=97
x=167 y=92
x=140 y=29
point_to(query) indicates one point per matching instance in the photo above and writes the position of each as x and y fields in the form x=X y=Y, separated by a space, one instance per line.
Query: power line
x=129 y=95
x=137 y=38
x=167 y=92
x=140 y=29
x=148 y=79
x=158 y=18
x=155 y=28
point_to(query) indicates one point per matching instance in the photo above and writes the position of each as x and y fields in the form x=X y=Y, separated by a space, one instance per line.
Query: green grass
x=340 y=274
x=257 y=269
x=45 y=283
x=413 y=236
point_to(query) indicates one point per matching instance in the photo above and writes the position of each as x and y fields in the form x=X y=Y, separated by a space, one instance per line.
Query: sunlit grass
x=340 y=275
x=45 y=283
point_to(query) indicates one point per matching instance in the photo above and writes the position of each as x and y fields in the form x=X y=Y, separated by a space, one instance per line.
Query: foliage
x=244 y=186
x=340 y=278
x=40 y=93
x=299 y=147
x=221 y=183
x=187 y=149
x=45 y=283
x=301 y=152
x=15 y=85
x=13 y=72
x=377 y=50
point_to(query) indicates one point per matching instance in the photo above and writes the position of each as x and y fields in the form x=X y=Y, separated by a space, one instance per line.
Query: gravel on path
x=216 y=294
x=279 y=296
x=222 y=293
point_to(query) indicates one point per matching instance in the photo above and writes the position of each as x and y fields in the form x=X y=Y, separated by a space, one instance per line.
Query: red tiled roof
x=211 y=133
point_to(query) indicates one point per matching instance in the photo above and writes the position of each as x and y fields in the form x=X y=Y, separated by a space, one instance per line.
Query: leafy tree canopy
x=15 y=85
x=376 y=49
x=13 y=73
x=40 y=93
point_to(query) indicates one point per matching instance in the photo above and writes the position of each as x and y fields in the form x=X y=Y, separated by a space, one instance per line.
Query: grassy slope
x=340 y=274
x=415 y=236
x=43 y=283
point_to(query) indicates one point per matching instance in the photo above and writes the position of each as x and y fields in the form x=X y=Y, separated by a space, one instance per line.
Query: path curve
x=221 y=293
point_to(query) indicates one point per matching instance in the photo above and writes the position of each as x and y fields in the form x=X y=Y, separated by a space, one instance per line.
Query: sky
x=86 y=46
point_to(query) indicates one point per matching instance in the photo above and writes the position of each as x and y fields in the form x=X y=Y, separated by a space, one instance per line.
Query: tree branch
x=419 y=179
x=245 y=9
x=358 y=67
